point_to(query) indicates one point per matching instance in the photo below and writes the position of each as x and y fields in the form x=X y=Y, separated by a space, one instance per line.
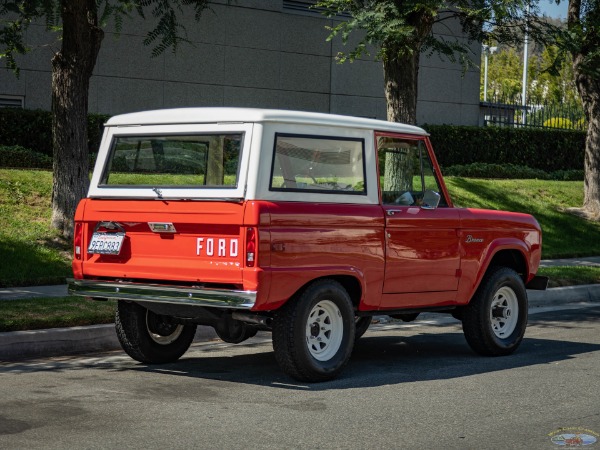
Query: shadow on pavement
x=382 y=357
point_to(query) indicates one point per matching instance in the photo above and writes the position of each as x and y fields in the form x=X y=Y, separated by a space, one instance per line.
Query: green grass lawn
x=38 y=313
x=564 y=235
x=32 y=253
x=571 y=275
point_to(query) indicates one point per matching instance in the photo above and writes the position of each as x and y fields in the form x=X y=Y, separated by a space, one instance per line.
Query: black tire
x=361 y=326
x=305 y=350
x=234 y=331
x=151 y=338
x=489 y=321
x=406 y=317
x=458 y=314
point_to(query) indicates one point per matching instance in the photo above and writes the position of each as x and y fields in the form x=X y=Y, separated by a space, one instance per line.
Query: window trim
x=102 y=181
x=446 y=201
x=195 y=192
x=319 y=191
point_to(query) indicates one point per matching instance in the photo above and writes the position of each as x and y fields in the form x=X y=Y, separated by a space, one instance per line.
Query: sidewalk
x=587 y=261
x=61 y=290
x=63 y=341
x=17 y=293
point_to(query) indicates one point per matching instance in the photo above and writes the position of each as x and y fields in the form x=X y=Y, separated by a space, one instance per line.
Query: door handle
x=391 y=212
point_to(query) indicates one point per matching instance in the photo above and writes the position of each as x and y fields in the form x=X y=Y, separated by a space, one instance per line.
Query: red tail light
x=250 y=247
x=77 y=240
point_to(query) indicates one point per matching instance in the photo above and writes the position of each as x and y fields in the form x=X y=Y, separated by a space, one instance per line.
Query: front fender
x=474 y=267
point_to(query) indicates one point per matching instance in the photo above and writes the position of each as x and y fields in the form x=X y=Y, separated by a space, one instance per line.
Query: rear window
x=207 y=160
x=318 y=164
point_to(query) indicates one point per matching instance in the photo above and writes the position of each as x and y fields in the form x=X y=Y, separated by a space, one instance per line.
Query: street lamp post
x=525 y=56
x=487 y=50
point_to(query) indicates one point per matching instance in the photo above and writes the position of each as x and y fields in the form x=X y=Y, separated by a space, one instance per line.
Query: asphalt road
x=413 y=386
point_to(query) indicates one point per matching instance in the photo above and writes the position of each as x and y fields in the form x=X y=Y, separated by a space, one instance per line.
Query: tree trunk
x=401 y=74
x=589 y=89
x=71 y=71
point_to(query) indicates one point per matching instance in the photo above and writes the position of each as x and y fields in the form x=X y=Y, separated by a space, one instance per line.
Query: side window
x=318 y=164
x=405 y=171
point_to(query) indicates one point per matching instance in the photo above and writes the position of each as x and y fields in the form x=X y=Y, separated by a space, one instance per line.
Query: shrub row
x=33 y=129
x=510 y=171
x=20 y=157
x=547 y=149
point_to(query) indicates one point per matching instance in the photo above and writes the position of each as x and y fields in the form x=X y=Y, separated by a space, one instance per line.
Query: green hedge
x=20 y=157
x=549 y=150
x=545 y=149
x=33 y=129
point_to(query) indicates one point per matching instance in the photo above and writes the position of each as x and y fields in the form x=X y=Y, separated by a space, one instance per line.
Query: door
x=422 y=246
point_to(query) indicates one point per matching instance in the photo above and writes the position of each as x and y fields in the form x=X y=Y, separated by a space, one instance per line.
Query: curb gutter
x=18 y=345
x=562 y=295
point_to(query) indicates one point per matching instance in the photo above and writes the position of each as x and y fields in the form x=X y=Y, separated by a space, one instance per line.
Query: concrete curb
x=18 y=345
x=567 y=294
x=57 y=341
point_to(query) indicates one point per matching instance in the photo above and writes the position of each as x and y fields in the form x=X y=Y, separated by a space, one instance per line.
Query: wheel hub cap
x=504 y=312
x=324 y=330
x=161 y=331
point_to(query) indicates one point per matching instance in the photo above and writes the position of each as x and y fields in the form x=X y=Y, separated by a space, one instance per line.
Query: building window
x=12 y=101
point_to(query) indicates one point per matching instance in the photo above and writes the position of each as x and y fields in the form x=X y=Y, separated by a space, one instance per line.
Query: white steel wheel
x=495 y=320
x=504 y=312
x=313 y=334
x=324 y=330
x=160 y=331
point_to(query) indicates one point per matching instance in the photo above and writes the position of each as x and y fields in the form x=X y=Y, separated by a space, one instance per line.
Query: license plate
x=106 y=243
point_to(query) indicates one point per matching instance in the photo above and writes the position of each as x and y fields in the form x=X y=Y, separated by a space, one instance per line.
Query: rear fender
x=285 y=286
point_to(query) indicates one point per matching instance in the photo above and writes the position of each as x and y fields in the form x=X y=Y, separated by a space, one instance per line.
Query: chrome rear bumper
x=158 y=293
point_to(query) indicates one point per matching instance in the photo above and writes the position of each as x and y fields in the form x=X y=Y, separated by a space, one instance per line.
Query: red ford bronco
x=299 y=223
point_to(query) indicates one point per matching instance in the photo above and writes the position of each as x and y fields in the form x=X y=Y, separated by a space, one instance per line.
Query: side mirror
x=431 y=200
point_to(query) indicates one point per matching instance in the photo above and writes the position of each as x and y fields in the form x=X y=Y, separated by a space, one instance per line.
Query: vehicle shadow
x=383 y=358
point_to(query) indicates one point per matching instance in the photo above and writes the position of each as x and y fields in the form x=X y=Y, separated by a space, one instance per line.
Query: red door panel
x=422 y=251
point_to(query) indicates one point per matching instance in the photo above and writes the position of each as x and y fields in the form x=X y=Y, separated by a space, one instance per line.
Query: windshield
x=207 y=160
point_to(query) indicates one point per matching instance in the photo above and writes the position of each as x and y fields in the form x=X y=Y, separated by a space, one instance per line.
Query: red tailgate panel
x=207 y=245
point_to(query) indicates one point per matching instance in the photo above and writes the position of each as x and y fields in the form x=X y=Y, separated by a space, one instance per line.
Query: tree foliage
x=397 y=32
x=79 y=24
x=547 y=80
x=168 y=32
x=395 y=27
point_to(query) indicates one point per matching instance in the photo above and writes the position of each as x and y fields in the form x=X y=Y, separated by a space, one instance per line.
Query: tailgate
x=169 y=240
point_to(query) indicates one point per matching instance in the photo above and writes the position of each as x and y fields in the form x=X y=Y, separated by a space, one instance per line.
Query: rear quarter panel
x=309 y=241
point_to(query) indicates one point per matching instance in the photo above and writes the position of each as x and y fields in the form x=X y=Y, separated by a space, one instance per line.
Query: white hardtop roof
x=253 y=115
